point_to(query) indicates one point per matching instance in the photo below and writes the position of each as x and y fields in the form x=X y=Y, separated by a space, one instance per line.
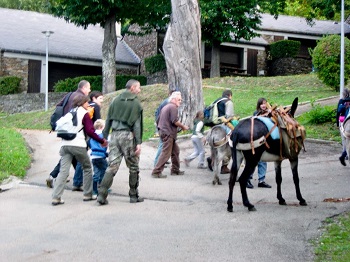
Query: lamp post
x=342 y=51
x=47 y=34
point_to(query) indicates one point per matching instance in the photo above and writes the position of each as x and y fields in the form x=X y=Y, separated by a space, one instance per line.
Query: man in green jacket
x=125 y=119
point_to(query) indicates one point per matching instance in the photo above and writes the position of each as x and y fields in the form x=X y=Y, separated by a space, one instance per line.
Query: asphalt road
x=182 y=218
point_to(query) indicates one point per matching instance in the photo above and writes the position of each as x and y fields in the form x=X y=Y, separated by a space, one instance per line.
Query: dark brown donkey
x=253 y=142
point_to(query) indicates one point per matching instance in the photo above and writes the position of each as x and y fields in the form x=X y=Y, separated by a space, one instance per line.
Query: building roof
x=298 y=25
x=21 y=32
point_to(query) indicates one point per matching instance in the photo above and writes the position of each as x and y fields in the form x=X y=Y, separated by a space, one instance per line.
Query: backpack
x=211 y=113
x=59 y=112
x=66 y=126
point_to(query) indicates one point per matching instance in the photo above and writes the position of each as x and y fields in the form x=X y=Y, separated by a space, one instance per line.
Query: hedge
x=155 y=63
x=71 y=84
x=284 y=48
x=9 y=85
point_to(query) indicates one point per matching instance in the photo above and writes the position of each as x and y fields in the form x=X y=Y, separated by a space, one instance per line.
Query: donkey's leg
x=248 y=169
x=294 y=166
x=278 y=172
x=237 y=158
x=215 y=164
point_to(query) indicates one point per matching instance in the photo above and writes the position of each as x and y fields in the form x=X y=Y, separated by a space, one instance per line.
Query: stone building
x=72 y=51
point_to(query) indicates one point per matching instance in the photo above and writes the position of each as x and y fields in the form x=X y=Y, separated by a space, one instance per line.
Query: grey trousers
x=67 y=153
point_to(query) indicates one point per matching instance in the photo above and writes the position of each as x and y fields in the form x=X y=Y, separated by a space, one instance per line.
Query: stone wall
x=157 y=78
x=20 y=103
x=290 y=66
x=15 y=67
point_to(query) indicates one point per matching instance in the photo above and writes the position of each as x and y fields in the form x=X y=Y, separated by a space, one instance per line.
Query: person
x=261 y=109
x=96 y=99
x=156 y=115
x=168 y=124
x=77 y=148
x=342 y=112
x=84 y=88
x=98 y=156
x=198 y=141
x=225 y=113
x=124 y=117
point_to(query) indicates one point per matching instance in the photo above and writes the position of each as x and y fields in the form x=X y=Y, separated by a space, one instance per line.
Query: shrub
x=71 y=84
x=326 y=60
x=155 y=63
x=321 y=114
x=284 y=48
x=9 y=85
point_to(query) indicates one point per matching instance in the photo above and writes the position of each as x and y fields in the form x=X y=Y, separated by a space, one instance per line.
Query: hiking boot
x=102 y=201
x=264 y=184
x=160 y=175
x=49 y=182
x=342 y=160
x=77 y=188
x=225 y=170
x=209 y=164
x=178 y=173
x=136 y=199
x=57 y=201
x=249 y=184
x=187 y=162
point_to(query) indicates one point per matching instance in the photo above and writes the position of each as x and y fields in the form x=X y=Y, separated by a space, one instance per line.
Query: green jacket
x=125 y=113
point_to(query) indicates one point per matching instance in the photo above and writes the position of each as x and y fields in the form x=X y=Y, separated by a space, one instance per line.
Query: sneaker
x=201 y=167
x=49 y=182
x=136 y=199
x=160 y=175
x=90 y=198
x=77 y=188
x=225 y=170
x=264 y=184
x=178 y=173
x=342 y=160
x=249 y=184
x=187 y=162
x=57 y=201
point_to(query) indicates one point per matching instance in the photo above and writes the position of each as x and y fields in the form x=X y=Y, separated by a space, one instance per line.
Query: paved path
x=182 y=219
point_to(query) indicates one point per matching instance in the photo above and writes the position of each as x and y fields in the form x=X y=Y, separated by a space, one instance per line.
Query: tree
x=182 y=55
x=326 y=60
x=106 y=13
x=227 y=20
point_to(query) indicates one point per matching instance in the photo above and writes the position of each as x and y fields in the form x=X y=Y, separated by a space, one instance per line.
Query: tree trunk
x=215 y=60
x=181 y=47
x=108 y=55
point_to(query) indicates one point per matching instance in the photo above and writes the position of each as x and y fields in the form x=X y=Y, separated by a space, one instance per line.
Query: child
x=198 y=141
x=98 y=156
x=261 y=109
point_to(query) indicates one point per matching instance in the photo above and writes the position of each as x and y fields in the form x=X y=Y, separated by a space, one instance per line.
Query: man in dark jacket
x=125 y=119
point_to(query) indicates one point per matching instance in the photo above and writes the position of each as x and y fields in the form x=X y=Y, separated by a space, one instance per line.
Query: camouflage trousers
x=121 y=144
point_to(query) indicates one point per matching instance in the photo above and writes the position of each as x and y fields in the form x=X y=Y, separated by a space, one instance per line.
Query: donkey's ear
x=294 y=106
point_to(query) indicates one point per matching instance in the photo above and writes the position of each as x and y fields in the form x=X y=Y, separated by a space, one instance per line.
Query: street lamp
x=342 y=51
x=47 y=34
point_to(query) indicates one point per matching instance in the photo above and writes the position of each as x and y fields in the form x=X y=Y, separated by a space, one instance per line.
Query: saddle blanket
x=269 y=124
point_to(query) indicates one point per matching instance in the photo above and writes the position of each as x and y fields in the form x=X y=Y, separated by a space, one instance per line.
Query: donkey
x=345 y=134
x=217 y=139
x=252 y=141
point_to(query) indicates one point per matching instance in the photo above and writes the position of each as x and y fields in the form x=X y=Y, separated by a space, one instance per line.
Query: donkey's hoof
x=303 y=203
x=252 y=208
x=214 y=182
x=230 y=209
x=282 y=202
x=219 y=183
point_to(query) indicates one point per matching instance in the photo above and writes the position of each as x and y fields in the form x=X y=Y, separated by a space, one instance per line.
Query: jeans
x=78 y=176
x=262 y=166
x=159 y=150
x=198 y=151
x=56 y=170
x=100 y=165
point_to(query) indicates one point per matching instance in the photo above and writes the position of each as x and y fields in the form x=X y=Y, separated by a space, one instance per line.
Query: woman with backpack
x=77 y=148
